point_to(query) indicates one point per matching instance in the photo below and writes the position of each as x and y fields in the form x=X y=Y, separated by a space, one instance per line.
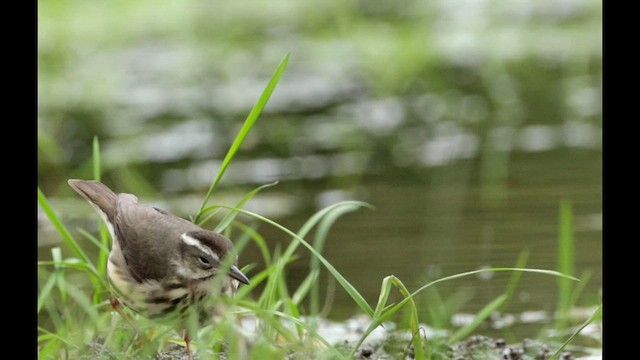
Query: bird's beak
x=235 y=273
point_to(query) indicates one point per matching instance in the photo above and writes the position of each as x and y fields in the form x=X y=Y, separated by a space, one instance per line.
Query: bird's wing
x=148 y=238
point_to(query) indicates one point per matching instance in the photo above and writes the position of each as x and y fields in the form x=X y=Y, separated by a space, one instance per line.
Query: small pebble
x=366 y=351
x=566 y=356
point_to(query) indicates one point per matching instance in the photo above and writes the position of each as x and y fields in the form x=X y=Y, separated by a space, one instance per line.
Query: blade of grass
x=96 y=159
x=246 y=127
x=62 y=230
x=49 y=304
x=258 y=240
x=329 y=213
x=101 y=247
x=269 y=317
x=440 y=310
x=395 y=308
x=71 y=263
x=45 y=291
x=566 y=260
x=318 y=216
x=325 y=217
x=283 y=289
x=577 y=291
x=255 y=309
x=350 y=289
x=515 y=278
x=482 y=315
x=268 y=296
x=83 y=301
x=58 y=272
x=131 y=179
x=318 y=244
x=306 y=227
x=210 y=214
x=232 y=214
x=414 y=323
x=293 y=309
x=48 y=336
x=385 y=291
x=103 y=254
x=304 y=287
x=596 y=314
x=475 y=272
x=277 y=276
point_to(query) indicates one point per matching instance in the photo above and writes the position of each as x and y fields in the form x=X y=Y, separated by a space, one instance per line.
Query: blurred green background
x=465 y=123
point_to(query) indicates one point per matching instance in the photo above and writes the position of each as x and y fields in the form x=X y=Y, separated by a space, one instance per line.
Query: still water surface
x=437 y=223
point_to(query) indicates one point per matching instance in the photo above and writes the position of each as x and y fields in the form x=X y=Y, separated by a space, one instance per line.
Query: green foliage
x=566 y=260
x=246 y=127
x=597 y=314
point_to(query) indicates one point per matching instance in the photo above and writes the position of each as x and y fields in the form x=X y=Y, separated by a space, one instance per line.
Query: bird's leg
x=115 y=304
x=187 y=341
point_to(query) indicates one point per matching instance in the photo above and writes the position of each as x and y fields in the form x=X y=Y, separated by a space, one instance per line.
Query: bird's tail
x=98 y=195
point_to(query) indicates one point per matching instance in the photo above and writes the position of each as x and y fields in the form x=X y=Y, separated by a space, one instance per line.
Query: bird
x=160 y=265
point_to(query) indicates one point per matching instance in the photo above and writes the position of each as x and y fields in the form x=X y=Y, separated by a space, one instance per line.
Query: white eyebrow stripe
x=195 y=242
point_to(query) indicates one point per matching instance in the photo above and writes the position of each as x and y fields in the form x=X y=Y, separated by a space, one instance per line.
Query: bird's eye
x=204 y=261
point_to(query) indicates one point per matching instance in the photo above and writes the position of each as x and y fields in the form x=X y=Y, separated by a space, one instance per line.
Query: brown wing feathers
x=98 y=194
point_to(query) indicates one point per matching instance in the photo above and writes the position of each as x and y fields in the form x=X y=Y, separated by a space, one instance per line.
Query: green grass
x=566 y=251
x=73 y=291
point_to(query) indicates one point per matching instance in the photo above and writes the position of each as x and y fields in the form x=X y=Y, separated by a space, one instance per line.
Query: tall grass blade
x=596 y=314
x=414 y=323
x=318 y=244
x=482 y=315
x=103 y=245
x=304 y=287
x=268 y=296
x=96 y=159
x=258 y=240
x=62 y=230
x=380 y=307
x=385 y=291
x=577 y=291
x=132 y=180
x=276 y=276
x=58 y=272
x=439 y=311
x=228 y=219
x=271 y=315
x=70 y=263
x=515 y=278
x=377 y=321
x=346 y=285
x=48 y=336
x=45 y=291
x=566 y=262
x=54 y=314
x=316 y=218
x=246 y=127
x=83 y=302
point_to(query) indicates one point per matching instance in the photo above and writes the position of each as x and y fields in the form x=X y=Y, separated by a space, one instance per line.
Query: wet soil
x=384 y=343
x=475 y=348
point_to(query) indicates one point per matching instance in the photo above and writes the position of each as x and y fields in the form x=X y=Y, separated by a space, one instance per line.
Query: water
x=465 y=130
x=438 y=224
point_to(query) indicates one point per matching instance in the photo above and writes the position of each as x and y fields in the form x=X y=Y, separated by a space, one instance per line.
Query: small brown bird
x=160 y=265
